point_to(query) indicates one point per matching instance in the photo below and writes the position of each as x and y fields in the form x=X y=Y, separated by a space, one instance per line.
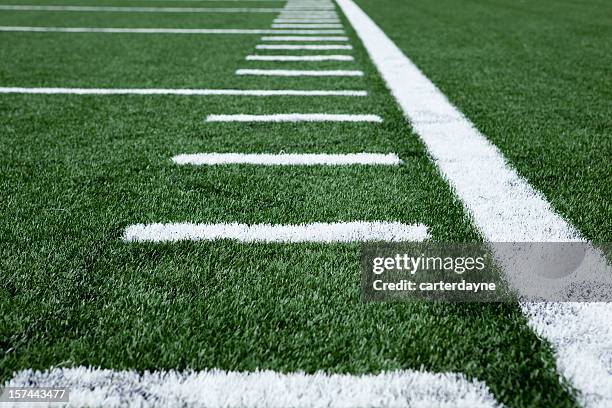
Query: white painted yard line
x=306 y=20
x=97 y=387
x=289 y=159
x=316 y=232
x=309 y=8
x=503 y=205
x=113 y=9
x=222 y=1
x=294 y=117
x=301 y=25
x=303 y=47
x=113 y=30
x=302 y=14
x=297 y=72
x=299 y=58
x=305 y=38
x=306 y=11
x=307 y=15
x=185 y=92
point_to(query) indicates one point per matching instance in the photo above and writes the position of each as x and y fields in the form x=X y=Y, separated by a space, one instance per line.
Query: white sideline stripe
x=299 y=58
x=276 y=25
x=316 y=232
x=140 y=9
x=97 y=387
x=294 y=117
x=296 y=72
x=503 y=206
x=114 y=30
x=186 y=92
x=295 y=159
x=303 y=38
x=302 y=47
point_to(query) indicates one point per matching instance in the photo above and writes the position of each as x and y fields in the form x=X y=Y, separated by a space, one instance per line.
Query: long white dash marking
x=287 y=159
x=295 y=117
x=503 y=205
x=112 y=9
x=115 y=30
x=303 y=47
x=357 y=231
x=305 y=39
x=185 y=92
x=299 y=58
x=298 y=72
x=97 y=387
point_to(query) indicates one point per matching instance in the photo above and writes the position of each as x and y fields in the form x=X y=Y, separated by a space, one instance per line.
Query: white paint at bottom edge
x=357 y=231
x=289 y=159
x=107 y=388
x=295 y=117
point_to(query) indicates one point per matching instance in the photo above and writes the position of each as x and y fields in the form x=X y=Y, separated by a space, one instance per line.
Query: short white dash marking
x=304 y=38
x=306 y=25
x=303 y=47
x=298 y=73
x=307 y=20
x=357 y=231
x=185 y=92
x=307 y=15
x=95 y=387
x=295 y=117
x=299 y=58
x=286 y=159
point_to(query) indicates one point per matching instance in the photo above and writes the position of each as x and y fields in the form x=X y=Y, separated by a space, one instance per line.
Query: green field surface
x=536 y=78
x=76 y=170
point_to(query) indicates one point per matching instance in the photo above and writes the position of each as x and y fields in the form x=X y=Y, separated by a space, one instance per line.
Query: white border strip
x=114 y=30
x=503 y=205
x=185 y=92
x=289 y=159
x=303 y=47
x=316 y=232
x=304 y=38
x=299 y=58
x=299 y=73
x=111 y=9
x=259 y=389
x=294 y=117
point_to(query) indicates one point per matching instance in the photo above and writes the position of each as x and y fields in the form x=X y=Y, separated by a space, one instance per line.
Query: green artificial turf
x=535 y=77
x=76 y=170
